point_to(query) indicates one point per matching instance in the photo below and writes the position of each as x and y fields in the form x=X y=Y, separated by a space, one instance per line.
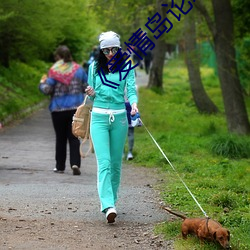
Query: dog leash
x=174 y=169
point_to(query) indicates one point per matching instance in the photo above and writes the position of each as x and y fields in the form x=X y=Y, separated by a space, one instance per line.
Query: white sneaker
x=58 y=171
x=111 y=214
x=130 y=156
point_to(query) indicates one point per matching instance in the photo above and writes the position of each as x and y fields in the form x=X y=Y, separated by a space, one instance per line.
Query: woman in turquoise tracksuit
x=109 y=123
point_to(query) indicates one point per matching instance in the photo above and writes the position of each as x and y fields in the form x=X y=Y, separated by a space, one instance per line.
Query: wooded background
x=30 y=31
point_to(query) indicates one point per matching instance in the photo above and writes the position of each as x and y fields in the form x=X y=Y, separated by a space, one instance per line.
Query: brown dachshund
x=204 y=229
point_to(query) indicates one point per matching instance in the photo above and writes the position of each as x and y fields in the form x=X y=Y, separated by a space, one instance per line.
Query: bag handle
x=91 y=148
x=85 y=139
x=85 y=99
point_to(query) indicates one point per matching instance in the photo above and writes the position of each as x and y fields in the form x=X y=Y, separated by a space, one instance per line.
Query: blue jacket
x=65 y=97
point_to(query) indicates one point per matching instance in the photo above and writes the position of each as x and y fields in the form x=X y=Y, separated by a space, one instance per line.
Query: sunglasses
x=107 y=51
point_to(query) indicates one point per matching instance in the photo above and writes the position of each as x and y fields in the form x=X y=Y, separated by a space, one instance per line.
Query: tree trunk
x=223 y=36
x=235 y=109
x=201 y=99
x=156 y=71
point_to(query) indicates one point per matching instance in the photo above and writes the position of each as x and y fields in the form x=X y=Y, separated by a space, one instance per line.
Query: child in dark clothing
x=130 y=133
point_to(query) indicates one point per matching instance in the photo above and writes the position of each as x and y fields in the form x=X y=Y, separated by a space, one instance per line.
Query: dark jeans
x=147 y=66
x=131 y=139
x=62 y=122
x=130 y=129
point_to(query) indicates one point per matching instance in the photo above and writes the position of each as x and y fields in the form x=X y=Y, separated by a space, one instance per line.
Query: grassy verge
x=212 y=163
x=19 y=88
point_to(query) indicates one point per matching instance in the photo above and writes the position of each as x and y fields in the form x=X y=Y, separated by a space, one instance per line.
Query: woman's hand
x=43 y=79
x=90 y=91
x=134 y=109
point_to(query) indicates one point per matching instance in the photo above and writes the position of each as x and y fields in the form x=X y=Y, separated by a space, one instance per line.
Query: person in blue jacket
x=65 y=83
x=109 y=124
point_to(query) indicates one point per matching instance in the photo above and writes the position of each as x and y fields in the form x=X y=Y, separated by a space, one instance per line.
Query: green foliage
x=19 y=87
x=133 y=15
x=219 y=183
x=242 y=40
x=243 y=60
x=203 y=33
x=126 y=10
x=241 y=17
x=29 y=33
x=242 y=35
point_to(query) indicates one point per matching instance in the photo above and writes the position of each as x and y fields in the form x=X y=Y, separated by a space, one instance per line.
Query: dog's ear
x=228 y=237
x=214 y=235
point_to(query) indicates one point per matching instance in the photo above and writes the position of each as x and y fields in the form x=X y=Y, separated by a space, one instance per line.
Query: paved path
x=31 y=191
x=27 y=160
x=26 y=163
x=141 y=78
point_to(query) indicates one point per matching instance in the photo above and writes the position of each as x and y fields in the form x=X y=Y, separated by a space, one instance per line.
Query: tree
x=161 y=44
x=28 y=33
x=223 y=38
x=120 y=20
x=23 y=33
x=126 y=26
x=242 y=32
x=156 y=71
x=201 y=99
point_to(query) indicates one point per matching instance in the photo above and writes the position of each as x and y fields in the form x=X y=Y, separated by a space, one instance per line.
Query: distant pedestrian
x=93 y=55
x=131 y=129
x=130 y=133
x=109 y=123
x=147 y=60
x=136 y=59
x=65 y=84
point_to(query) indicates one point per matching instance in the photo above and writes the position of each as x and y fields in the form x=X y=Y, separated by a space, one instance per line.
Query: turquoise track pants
x=108 y=136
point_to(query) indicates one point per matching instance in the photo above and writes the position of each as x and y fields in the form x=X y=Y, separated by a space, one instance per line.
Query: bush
x=231 y=146
x=224 y=200
x=19 y=88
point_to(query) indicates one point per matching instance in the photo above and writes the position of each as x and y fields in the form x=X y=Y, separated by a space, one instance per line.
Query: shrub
x=231 y=146
x=223 y=200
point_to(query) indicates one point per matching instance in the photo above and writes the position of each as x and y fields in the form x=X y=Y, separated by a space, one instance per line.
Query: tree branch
x=202 y=9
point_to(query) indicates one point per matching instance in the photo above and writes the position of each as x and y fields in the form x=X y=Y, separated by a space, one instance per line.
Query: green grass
x=214 y=164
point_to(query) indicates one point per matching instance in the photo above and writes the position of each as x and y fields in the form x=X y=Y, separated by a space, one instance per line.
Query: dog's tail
x=175 y=213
